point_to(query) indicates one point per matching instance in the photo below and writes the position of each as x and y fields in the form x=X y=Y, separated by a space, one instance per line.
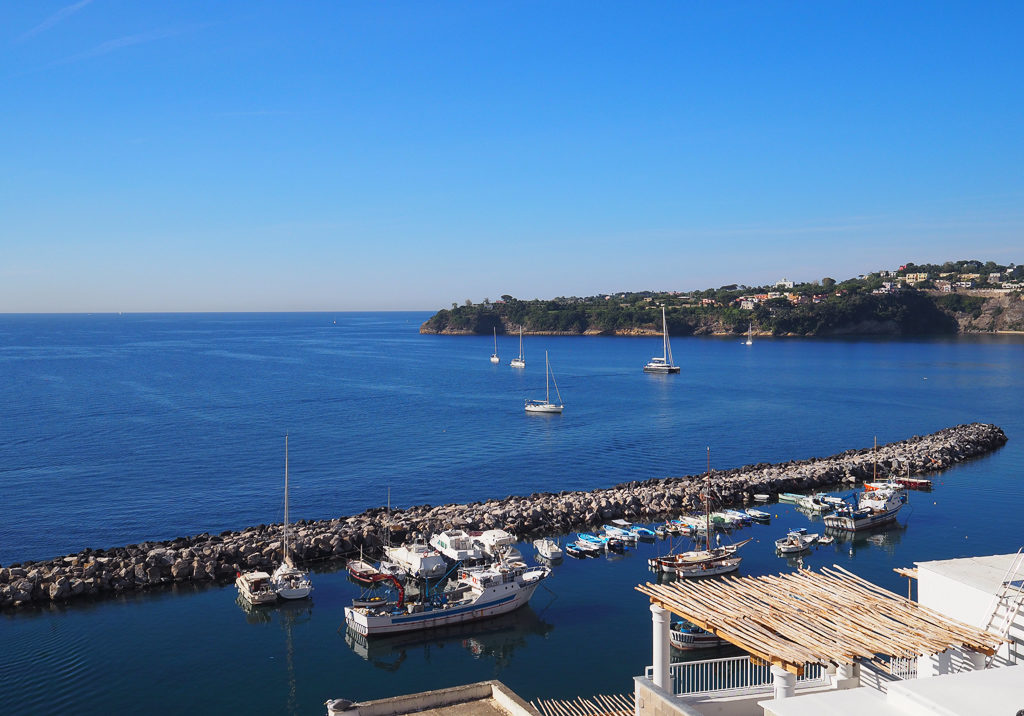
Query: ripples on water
x=118 y=429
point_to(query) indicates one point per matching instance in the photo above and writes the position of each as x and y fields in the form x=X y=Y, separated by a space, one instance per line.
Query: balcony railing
x=737 y=673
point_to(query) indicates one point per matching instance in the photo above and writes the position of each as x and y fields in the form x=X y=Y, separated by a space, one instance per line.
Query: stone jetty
x=217 y=558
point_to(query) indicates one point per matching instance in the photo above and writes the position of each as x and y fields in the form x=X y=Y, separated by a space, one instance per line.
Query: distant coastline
x=865 y=306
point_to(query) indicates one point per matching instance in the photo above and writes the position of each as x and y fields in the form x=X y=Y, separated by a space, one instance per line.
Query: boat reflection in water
x=288 y=614
x=497 y=637
x=886 y=536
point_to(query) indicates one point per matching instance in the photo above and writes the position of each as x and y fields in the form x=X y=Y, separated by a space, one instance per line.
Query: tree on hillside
x=828 y=283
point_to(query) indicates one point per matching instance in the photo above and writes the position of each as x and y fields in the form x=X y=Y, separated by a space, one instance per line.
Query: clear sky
x=182 y=156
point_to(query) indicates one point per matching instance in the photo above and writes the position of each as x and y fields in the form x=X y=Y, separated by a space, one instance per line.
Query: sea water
x=123 y=428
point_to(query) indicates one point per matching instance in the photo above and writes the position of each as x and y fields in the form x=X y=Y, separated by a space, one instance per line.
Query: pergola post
x=659 y=646
x=783 y=682
x=847 y=676
x=934 y=664
x=977 y=659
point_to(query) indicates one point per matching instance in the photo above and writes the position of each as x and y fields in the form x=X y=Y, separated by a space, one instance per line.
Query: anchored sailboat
x=546 y=406
x=519 y=362
x=663 y=364
x=494 y=356
x=750 y=334
x=289 y=581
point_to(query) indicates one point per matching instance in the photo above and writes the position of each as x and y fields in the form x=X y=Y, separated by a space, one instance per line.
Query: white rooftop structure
x=991 y=691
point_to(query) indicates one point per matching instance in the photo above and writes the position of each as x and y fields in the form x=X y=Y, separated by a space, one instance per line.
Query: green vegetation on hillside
x=880 y=303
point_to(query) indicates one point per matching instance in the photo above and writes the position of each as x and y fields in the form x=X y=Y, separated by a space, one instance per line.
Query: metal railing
x=736 y=673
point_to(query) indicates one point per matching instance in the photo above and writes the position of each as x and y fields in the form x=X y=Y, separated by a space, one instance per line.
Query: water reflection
x=498 y=637
x=288 y=614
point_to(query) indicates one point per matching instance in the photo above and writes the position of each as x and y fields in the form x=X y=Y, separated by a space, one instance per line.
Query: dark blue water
x=118 y=429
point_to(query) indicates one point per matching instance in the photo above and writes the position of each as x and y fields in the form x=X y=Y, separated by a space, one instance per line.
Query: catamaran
x=289 y=581
x=546 y=406
x=494 y=356
x=663 y=364
x=519 y=362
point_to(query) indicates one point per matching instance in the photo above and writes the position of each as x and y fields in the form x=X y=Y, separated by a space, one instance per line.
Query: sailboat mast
x=664 y=336
x=547 y=386
x=286 y=497
x=707 y=504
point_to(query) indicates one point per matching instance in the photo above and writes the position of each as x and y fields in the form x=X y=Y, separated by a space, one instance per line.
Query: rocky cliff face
x=1002 y=313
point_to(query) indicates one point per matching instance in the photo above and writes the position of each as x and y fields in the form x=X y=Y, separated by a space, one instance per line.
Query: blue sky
x=352 y=156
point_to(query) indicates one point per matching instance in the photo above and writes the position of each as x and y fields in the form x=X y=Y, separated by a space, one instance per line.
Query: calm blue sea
x=117 y=429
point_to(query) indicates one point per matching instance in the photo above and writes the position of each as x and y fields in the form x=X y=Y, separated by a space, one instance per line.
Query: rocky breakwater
x=217 y=558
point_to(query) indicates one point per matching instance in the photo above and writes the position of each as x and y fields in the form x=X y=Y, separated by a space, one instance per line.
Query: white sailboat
x=546 y=406
x=494 y=356
x=289 y=581
x=750 y=334
x=519 y=362
x=663 y=364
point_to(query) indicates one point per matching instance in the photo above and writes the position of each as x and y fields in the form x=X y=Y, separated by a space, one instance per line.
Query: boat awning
x=832 y=616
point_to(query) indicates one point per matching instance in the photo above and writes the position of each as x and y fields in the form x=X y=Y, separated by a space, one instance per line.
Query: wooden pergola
x=832 y=616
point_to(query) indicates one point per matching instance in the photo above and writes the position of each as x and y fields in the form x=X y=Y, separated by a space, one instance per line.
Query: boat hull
x=544 y=408
x=661 y=368
x=856 y=523
x=370 y=625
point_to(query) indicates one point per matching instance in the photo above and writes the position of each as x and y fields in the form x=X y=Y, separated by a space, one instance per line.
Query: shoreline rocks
x=217 y=558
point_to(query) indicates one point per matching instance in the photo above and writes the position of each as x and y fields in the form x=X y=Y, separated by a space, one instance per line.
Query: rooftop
x=983 y=573
x=952 y=695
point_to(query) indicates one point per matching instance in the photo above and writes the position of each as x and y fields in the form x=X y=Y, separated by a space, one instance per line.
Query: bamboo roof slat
x=815 y=617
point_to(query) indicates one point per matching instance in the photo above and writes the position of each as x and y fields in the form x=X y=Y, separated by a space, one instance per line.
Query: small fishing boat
x=499 y=544
x=573 y=549
x=826 y=539
x=708 y=568
x=761 y=497
x=362 y=571
x=815 y=504
x=590 y=549
x=619 y=533
x=759 y=515
x=795 y=541
x=790 y=498
x=640 y=533
x=687 y=636
x=548 y=549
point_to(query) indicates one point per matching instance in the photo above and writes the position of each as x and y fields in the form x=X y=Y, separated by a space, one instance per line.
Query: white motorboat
x=498 y=544
x=419 y=560
x=546 y=406
x=289 y=581
x=519 y=362
x=494 y=356
x=759 y=515
x=663 y=364
x=795 y=541
x=478 y=593
x=548 y=549
x=457 y=546
x=256 y=588
x=640 y=533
